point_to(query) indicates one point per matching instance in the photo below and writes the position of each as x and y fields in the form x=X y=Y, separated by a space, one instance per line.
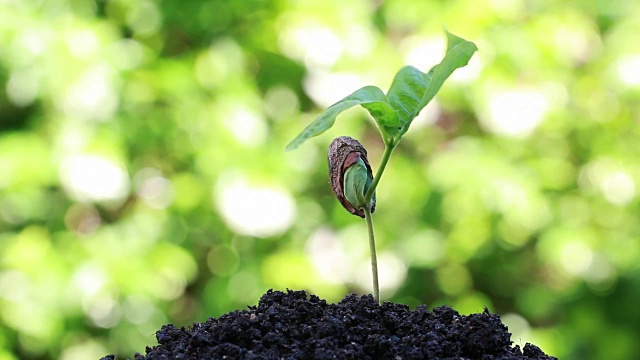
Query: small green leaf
x=385 y=116
x=453 y=40
x=411 y=89
x=370 y=97
x=406 y=91
x=459 y=52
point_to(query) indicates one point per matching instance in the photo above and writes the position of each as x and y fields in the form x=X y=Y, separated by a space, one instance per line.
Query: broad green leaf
x=370 y=97
x=385 y=116
x=406 y=92
x=411 y=89
x=459 y=52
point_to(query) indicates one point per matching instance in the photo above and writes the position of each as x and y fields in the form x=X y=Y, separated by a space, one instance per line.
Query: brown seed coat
x=343 y=152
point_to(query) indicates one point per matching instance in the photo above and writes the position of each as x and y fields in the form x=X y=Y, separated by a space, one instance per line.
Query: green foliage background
x=143 y=178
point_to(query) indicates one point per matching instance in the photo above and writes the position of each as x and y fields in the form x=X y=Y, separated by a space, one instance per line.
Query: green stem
x=383 y=164
x=388 y=149
x=374 y=258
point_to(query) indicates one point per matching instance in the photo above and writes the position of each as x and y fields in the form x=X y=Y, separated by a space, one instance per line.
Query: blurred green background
x=143 y=177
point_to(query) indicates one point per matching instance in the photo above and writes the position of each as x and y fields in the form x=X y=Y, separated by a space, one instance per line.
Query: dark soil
x=294 y=325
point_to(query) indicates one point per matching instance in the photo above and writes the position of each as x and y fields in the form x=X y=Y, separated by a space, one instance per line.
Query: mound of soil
x=294 y=325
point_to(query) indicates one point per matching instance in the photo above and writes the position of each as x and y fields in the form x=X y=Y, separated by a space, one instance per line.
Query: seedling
x=351 y=176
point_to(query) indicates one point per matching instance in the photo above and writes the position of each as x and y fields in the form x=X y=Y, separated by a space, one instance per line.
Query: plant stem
x=374 y=258
x=388 y=149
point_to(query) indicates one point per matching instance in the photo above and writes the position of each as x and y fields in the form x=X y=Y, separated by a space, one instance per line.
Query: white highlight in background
x=92 y=96
x=328 y=257
x=316 y=46
x=247 y=127
x=259 y=211
x=93 y=178
x=391 y=271
x=611 y=179
x=618 y=187
x=576 y=257
x=156 y=190
x=515 y=113
x=326 y=88
x=629 y=70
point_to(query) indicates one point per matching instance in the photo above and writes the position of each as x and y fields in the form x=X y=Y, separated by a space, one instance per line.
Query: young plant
x=351 y=176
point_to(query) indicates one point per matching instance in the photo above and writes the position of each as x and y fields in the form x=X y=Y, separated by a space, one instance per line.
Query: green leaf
x=370 y=97
x=459 y=52
x=411 y=89
x=406 y=92
x=453 y=41
x=385 y=116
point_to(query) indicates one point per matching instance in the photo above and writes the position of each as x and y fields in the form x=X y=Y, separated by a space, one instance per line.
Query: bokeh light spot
x=89 y=279
x=628 y=69
x=144 y=18
x=221 y=60
x=243 y=287
x=254 y=210
x=82 y=219
x=618 y=188
x=104 y=311
x=23 y=87
x=518 y=326
x=15 y=285
x=138 y=309
x=316 y=46
x=326 y=88
x=600 y=270
x=247 y=127
x=92 y=96
x=424 y=249
x=88 y=349
x=93 y=178
x=223 y=261
x=280 y=103
x=359 y=41
x=576 y=257
x=169 y=283
x=610 y=178
x=83 y=43
x=392 y=272
x=453 y=279
x=424 y=54
x=127 y=54
x=328 y=257
x=515 y=113
x=154 y=189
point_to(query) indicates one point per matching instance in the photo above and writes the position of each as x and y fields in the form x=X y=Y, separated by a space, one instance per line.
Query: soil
x=295 y=325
